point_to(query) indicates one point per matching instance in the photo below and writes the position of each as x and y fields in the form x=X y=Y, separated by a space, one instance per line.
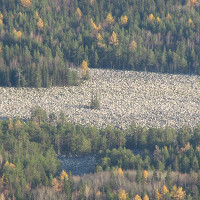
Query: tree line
x=29 y=149
x=41 y=40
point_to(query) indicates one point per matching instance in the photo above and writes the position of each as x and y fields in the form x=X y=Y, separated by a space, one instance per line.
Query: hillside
x=148 y=99
x=41 y=39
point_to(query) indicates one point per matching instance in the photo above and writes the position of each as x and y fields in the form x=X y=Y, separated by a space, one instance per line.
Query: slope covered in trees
x=29 y=168
x=41 y=39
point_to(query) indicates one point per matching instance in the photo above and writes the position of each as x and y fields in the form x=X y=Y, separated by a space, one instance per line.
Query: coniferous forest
x=46 y=43
x=165 y=167
x=40 y=40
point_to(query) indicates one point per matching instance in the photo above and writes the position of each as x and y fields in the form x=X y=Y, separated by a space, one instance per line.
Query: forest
x=45 y=43
x=42 y=40
x=166 y=167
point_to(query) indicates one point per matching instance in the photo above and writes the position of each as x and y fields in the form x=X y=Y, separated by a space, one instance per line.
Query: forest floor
x=147 y=99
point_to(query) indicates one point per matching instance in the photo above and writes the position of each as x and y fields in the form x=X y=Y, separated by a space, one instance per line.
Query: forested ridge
x=29 y=168
x=40 y=40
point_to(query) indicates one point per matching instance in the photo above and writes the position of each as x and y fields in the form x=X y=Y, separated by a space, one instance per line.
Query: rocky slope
x=148 y=99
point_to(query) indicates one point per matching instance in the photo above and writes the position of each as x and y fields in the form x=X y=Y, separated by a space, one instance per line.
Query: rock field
x=148 y=99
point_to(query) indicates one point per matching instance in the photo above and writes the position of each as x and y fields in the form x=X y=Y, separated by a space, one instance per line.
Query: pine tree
x=164 y=190
x=78 y=13
x=151 y=17
x=63 y=175
x=113 y=39
x=157 y=195
x=97 y=28
x=84 y=68
x=169 y=16
x=122 y=195
x=26 y=3
x=145 y=197
x=40 y=24
x=168 y=179
x=145 y=174
x=123 y=20
x=133 y=45
x=109 y=19
x=95 y=103
x=120 y=172
x=139 y=176
x=179 y=194
x=137 y=197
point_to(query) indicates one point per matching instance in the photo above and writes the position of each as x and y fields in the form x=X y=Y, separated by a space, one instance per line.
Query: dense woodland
x=29 y=167
x=41 y=39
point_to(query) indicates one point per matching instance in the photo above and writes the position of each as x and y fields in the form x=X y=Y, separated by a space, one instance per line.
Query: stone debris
x=78 y=165
x=147 y=99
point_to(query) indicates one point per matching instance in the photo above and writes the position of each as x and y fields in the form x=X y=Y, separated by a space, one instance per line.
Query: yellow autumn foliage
x=26 y=3
x=6 y=163
x=137 y=197
x=84 y=68
x=146 y=197
x=40 y=23
x=2 y=197
x=164 y=190
x=122 y=195
x=57 y=186
x=10 y=125
x=63 y=175
x=98 y=193
x=193 y=3
x=12 y=165
x=1 y=16
x=1 y=22
x=186 y=148
x=99 y=37
x=2 y=179
x=37 y=14
x=87 y=191
x=120 y=172
x=133 y=45
x=17 y=34
x=109 y=19
x=101 y=45
x=168 y=16
x=145 y=174
x=97 y=28
x=124 y=20
x=9 y=164
x=173 y=191
x=78 y=13
x=151 y=17
x=190 y=21
x=18 y=124
x=158 y=19
x=157 y=195
x=20 y=13
x=99 y=40
x=198 y=148
x=113 y=39
x=91 y=1
x=179 y=194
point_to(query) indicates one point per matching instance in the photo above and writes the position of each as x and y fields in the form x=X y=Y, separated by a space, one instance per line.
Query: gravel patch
x=78 y=165
x=148 y=99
